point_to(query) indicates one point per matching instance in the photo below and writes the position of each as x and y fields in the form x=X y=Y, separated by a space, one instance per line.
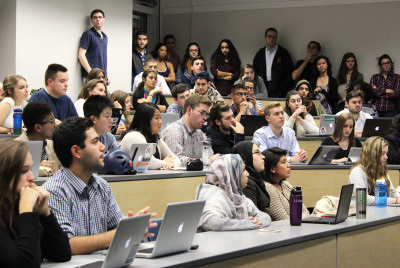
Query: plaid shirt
x=212 y=94
x=184 y=143
x=386 y=101
x=81 y=209
x=175 y=109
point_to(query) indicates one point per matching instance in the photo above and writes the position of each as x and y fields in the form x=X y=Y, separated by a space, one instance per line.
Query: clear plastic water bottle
x=207 y=153
x=296 y=205
x=380 y=193
x=17 y=121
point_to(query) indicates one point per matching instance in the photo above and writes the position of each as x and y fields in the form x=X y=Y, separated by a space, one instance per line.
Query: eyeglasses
x=241 y=94
x=249 y=88
x=204 y=113
x=193 y=50
x=52 y=121
x=385 y=63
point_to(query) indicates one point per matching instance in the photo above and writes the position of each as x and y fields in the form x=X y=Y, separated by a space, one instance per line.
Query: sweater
x=308 y=127
x=222 y=143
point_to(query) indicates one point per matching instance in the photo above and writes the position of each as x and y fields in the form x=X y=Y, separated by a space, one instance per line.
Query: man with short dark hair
x=274 y=64
x=151 y=64
x=56 y=80
x=202 y=81
x=92 y=51
x=223 y=130
x=180 y=93
x=304 y=68
x=198 y=64
x=140 y=53
x=240 y=105
x=172 y=57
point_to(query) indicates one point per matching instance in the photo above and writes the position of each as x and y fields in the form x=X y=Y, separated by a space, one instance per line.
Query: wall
x=7 y=43
x=367 y=28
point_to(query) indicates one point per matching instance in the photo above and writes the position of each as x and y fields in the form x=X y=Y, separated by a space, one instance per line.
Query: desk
x=11 y=136
x=350 y=243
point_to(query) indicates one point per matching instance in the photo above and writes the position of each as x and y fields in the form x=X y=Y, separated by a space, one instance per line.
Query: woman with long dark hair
x=191 y=52
x=225 y=66
x=247 y=71
x=164 y=67
x=313 y=106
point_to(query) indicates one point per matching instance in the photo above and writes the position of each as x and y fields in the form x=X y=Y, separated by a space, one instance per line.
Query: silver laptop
x=354 y=154
x=141 y=154
x=35 y=148
x=177 y=230
x=168 y=119
x=327 y=124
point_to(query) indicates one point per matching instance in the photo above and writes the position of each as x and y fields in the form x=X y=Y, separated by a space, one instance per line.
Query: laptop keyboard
x=327 y=220
x=146 y=250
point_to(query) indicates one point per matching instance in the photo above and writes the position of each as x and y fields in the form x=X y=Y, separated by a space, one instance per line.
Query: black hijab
x=245 y=150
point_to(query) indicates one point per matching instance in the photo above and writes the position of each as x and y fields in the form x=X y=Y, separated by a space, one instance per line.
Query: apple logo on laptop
x=180 y=228
x=330 y=125
x=128 y=242
x=377 y=128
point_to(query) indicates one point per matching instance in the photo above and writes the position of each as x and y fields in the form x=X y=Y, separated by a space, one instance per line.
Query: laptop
x=342 y=211
x=177 y=230
x=354 y=154
x=327 y=124
x=168 y=119
x=376 y=127
x=252 y=122
x=141 y=154
x=35 y=148
x=324 y=155
x=116 y=117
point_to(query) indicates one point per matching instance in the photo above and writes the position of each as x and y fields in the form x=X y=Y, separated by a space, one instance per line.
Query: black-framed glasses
x=204 y=113
x=52 y=121
x=241 y=94
x=386 y=63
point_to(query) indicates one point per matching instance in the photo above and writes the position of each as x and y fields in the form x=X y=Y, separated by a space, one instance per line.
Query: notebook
x=177 y=230
x=141 y=154
x=376 y=127
x=167 y=119
x=342 y=211
x=35 y=148
x=252 y=122
x=116 y=117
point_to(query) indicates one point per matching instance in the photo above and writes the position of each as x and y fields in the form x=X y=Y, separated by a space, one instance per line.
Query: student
x=15 y=94
x=365 y=90
x=296 y=116
x=151 y=64
x=343 y=135
x=203 y=87
x=313 y=105
x=254 y=161
x=249 y=84
x=240 y=106
x=172 y=57
x=277 y=171
x=148 y=92
x=223 y=130
x=40 y=124
x=96 y=73
x=29 y=231
x=56 y=79
x=354 y=102
x=277 y=135
x=124 y=100
x=259 y=90
x=140 y=53
x=180 y=93
x=227 y=209
x=191 y=52
x=164 y=67
x=99 y=109
x=393 y=140
x=347 y=74
x=92 y=87
x=83 y=202
x=188 y=78
x=304 y=68
x=145 y=128
x=371 y=167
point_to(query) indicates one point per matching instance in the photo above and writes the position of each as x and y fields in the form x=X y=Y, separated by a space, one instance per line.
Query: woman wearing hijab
x=254 y=161
x=227 y=209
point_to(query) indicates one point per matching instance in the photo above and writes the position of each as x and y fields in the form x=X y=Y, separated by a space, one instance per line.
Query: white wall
x=7 y=37
x=49 y=31
x=368 y=28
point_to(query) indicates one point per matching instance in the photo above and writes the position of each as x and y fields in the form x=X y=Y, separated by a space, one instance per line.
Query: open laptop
x=326 y=124
x=376 y=127
x=177 y=230
x=342 y=211
x=35 y=148
x=324 y=155
x=141 y=154
x=168 y=119
x=116 y=117
x=354 y=154
x=252 y=122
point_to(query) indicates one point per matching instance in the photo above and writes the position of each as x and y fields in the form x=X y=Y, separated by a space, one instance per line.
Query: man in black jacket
x=274 y=64
x=224 y=131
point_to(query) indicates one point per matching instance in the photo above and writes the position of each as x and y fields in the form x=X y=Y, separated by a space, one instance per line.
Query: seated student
x=343 y=135
x=371 y=167
x=296 y=116
x=40 y=124
x=203 y=87
x=354 y=104
x=394 y=146
x=96 y=73
x=151 y=64
x=240 y=105
x=249 y=84
x=259 y=89
x=184 y=137
x=148 y=92
x=223 y=130
x=164 y=67
x=314 y=107
x=366 y=92
x=83 y=202
x=56 y=79
x=29 y=231
x=254 y=161
x=15 y=94
x=198 y=64
x=180 y=93
x=124 y=100
x=92 y=87
x=145 y=127
x=99 y=109
x=277 y=170
x=277 y=135
x=227 y=209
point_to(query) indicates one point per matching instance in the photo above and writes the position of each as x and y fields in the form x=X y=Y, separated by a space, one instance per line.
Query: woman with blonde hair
x=371 y=167
x=15 y=95
x=124 y=100
x=91 y=87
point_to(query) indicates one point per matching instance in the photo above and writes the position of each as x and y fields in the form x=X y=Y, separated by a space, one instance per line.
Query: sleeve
x=135 y=98
x=185 y=80
x=392 y=192
x=236 y=73
x=136 y=82
x=164 y=86
x=85 y=40
x=165 y=151
x=318 y=107
x=395 y=85
x=112 y=142
x=358 y=178
x=394 y=151
x=260 y=139
x=213 y=68
x=263 y=217
x=114 y=214
x=333 y=95
x=310 y=126
x=289 y=121
x=131 y=138
x=174 y=138
x=219 y=98
x=163 y=100
x=327 y=141
x=261 y=89
x=276 y=209
x=379 y=90
x=71 y=109
x=179 y=75
x=251 y=192
x=37 y=96
x=294 y=145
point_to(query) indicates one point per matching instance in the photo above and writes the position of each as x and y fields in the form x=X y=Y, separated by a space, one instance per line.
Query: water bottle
x=380 y=193
x=17 y=121
x=296 y=206
x=207 y=153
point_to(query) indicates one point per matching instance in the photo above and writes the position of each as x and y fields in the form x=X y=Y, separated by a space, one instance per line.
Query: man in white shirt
x=354 y=105
x=151 y=64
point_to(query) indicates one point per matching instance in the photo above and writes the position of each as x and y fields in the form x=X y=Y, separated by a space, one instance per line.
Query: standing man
x=274 y=64
x=304 y=68
x=92 y=51
x=172 y=57
x=140 y=53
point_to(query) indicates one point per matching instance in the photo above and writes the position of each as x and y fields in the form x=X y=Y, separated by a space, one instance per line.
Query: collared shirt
x=175 y=109
x=269 y=59
x=183 y=142
x=265 y=138
x=212 y=94
x=81 y=209
x=386 y=101
x=109 y=141
x=362 y=117
x=160 y=83
x=251 y=110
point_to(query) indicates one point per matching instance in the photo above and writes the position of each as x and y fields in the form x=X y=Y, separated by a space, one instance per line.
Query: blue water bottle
x=380 y=193
x=17 y=121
